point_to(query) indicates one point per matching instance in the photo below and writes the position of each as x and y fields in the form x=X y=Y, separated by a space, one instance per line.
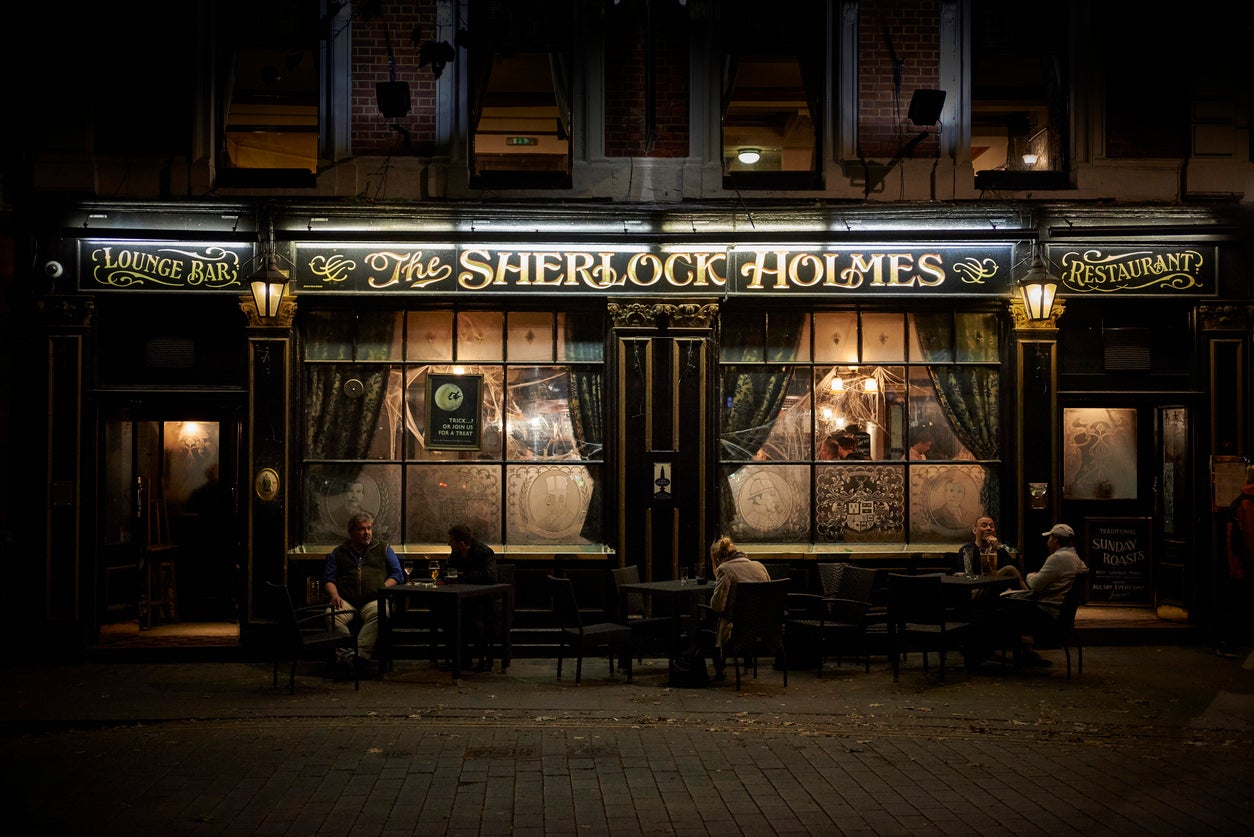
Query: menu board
x=1117 y=551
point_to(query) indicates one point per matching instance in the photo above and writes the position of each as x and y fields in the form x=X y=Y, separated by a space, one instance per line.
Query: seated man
x=1036 y=609
x=475 y=563
x=353 y=573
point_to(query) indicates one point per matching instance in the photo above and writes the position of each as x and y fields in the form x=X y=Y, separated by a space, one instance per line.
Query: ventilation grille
x=1127 y=349
x=170 y=353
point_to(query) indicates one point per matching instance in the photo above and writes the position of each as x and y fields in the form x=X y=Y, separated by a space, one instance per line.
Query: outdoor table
x=678 y=600
x=445 y=604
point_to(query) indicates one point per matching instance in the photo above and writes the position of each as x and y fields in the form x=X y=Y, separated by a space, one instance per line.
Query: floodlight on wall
x=1037 y=289
x=925 y=107
x=749 y=156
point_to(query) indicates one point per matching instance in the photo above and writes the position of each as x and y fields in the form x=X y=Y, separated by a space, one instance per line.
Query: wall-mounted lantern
x=1037 y=289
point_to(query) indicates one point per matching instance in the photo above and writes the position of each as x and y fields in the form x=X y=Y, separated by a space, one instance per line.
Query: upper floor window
x=1019 y=97
x=772 y=95
x=520 y=68
x=269 y=83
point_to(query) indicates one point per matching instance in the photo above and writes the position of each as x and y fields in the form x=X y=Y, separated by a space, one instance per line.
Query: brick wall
x=371 y=132
x=914 y=27
x=625 y=103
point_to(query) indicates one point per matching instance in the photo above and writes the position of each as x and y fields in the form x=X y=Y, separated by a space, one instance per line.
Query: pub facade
x=592 y=372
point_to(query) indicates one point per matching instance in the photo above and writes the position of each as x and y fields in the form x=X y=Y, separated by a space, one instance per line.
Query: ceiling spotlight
x=749 y=156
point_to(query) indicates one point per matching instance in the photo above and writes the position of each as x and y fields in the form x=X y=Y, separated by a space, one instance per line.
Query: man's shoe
x=1031 y=658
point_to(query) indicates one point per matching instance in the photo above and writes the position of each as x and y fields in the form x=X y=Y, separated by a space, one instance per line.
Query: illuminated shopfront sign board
x=759 y=270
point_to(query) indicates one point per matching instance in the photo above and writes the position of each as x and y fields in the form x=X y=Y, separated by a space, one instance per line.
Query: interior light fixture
x=749 y=156
x=1030 y=159
x=1037 y=289
x=838 y=384
x=871 y=385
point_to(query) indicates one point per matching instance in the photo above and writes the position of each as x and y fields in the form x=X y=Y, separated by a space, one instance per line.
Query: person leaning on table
x=731 y=566
x=1038 y=607
x=353 y=573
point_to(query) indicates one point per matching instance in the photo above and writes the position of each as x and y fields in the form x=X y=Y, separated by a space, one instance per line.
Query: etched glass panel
x=530 y=337
x=763 y=503
x=334 y=493
x=836 y=337
x=946 y=500
x=883 y=337
x=548 y=504
x=859 y=503
x=440 y=495
x=480 y=336
x=429 y=336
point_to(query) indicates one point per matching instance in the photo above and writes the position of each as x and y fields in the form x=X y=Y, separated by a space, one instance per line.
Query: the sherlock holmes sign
x=757 y=270
x=1117 y=551
x=443 y=269
x=454 y=411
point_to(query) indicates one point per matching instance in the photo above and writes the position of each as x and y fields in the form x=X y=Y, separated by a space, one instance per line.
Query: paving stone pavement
x=1149 y=740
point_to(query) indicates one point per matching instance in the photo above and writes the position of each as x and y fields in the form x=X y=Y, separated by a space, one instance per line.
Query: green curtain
x=755 y=395
x=338 y=426
x=585 y=337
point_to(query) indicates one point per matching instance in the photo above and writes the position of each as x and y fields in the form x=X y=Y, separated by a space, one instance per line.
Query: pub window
x=271 y=91
x=520 y=111
x=531 y=474
x=1020 y=91
x=855 y=426
x=772 y=94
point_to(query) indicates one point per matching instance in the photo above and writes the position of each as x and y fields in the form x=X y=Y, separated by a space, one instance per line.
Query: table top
x=975 y=581
x=673 y=585
x=418 y=588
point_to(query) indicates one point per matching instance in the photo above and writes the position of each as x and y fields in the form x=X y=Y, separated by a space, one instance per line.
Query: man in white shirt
x=1038 y=607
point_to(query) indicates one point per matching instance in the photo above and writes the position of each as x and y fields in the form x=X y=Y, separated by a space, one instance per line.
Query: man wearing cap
x=1047 y=587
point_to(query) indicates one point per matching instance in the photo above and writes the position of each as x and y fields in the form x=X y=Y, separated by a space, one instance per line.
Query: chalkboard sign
x=1117 y=551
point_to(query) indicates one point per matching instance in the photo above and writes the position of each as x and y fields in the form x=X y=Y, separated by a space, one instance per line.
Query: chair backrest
x=504 y=573
x=757 y=613
x=1076 y=595
x=857 y=583
x=287 y=612
x=830 y=575
x=565 y=607
x=633 y=602
x=917 y=599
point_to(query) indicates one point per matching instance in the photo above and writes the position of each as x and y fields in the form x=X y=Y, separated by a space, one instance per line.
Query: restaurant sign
x=1128 y=270
x=758 y=270
x=160 y=266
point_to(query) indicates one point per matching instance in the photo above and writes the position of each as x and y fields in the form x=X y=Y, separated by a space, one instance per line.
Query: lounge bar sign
x=758 y=270
x=1128 y=270
x=148 y=265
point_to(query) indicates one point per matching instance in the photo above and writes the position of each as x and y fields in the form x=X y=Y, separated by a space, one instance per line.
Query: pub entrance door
x=664 y=449
x=1128 y=492
x=169 y=537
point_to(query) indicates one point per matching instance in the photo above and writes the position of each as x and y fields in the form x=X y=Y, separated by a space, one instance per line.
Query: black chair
x=757 y=612
x=918 y=619
x=1063 y=633
x=580 y=638
x=304 y=633
x=652 y=632
x=836 y=621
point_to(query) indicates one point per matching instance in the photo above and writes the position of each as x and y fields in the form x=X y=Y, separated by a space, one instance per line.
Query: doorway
x=1126 y=465
x=170 y=539
x=663 y=453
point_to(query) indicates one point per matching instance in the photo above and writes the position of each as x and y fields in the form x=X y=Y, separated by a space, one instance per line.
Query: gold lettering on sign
x=332 y=269
x=409 y=269
x=1097 y=271
x=170 y=267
